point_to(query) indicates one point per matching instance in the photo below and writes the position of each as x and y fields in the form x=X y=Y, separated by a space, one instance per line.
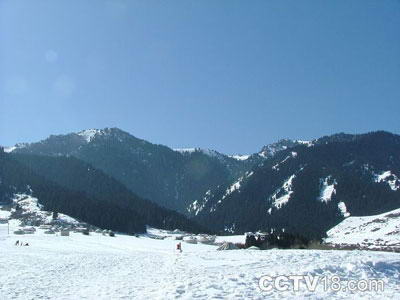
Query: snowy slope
x=89 y=134
x=327 y=190
x=272 y=149
x=25 y=211
x=30 y=209
x=9 y=149
x=240 y=157
x=388 y=177
x=372 y=232
x=198 y=205
x=126 y=267
x=17 y=146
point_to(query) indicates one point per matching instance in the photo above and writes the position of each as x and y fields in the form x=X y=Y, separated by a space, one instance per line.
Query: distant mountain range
x=302 y=186
x=171 y=178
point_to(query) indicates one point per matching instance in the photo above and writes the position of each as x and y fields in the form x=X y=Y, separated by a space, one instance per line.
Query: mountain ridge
x=326 y=182
x=327 y=176
x=168 y=177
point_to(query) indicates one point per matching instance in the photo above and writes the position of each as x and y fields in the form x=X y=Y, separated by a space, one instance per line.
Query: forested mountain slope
x=309 y=189
x=70 y=186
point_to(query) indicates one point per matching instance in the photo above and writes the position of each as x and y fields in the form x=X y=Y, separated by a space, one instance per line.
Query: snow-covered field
x=126 y=267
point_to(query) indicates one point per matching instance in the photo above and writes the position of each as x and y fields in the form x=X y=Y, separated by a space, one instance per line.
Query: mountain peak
x=283 y=144
x=90 y=134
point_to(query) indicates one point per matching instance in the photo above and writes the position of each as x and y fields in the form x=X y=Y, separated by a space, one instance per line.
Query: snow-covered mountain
x=270 y=150
x=309 y=188
x=68 y=144
x=292 y=184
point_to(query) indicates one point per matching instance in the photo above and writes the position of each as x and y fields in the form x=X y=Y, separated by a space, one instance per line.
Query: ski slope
x=126 y=267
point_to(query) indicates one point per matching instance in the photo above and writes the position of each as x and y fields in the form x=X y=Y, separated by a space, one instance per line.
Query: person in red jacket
x=179 y=247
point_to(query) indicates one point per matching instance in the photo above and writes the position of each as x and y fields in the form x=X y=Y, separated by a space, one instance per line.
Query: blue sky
x=228 y=75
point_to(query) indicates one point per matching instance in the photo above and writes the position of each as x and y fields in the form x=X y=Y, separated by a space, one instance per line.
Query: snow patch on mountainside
x=343 y=209
x=378 y=231
x=391 y=179
x=236 y=185
x=282 y=195
x=240 y=157
x=186 y=150
x=17 y=146
x=9 y=149
x=27 y=203
x=272 y=149
x=292 y=155
x=307 y=143
x=89 y=134
x=198 y=206
x=327 y=190
x=28 y=211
